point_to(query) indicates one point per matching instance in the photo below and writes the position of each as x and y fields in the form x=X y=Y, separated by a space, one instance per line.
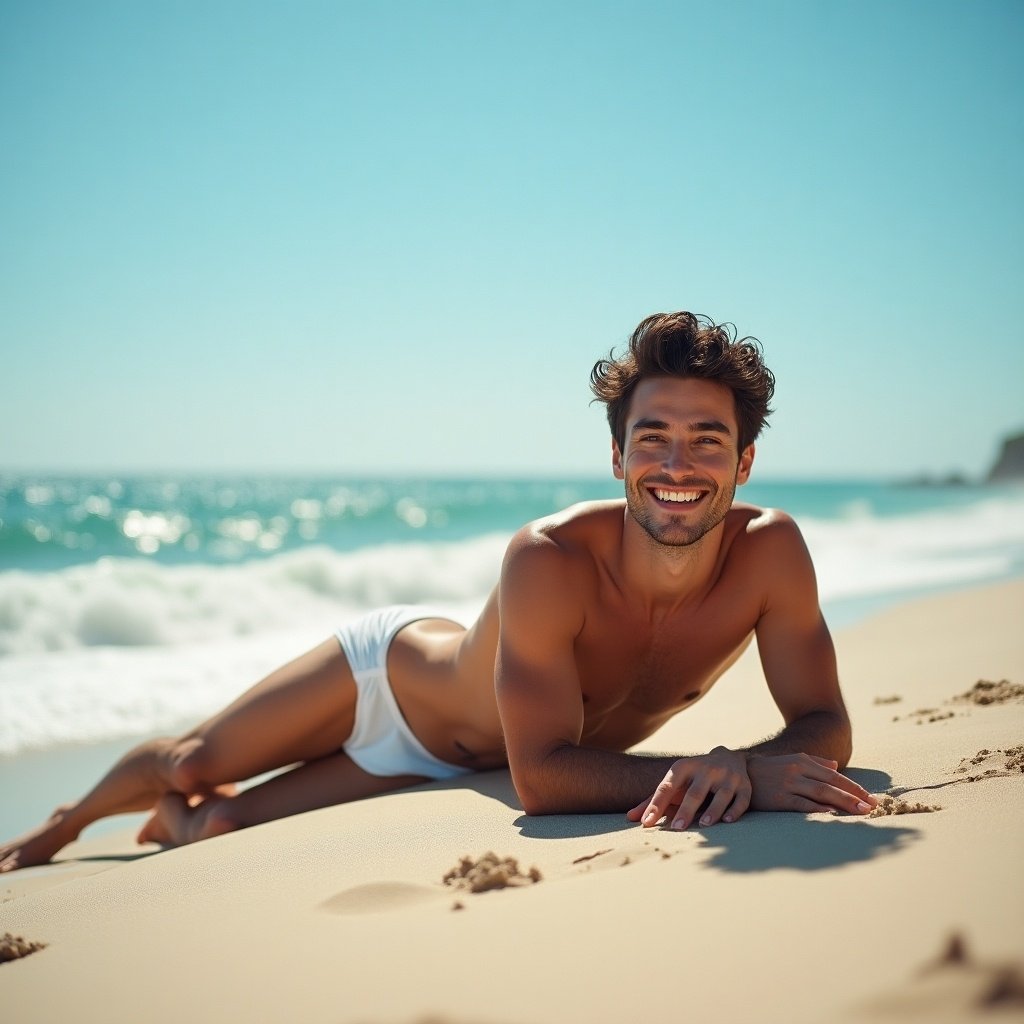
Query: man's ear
x=746 y=461
x=617 y=461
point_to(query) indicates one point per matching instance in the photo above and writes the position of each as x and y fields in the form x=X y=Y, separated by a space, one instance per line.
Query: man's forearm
x=581 y=780
x=821 y=733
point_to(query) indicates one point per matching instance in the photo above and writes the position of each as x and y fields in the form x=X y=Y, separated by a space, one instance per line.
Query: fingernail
x=679 y=825
x=648 y=817
x=862 y=807
x=706 y=820
x=728 y=818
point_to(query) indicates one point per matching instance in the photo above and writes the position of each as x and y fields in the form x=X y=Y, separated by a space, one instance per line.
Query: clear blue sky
x=391 y=237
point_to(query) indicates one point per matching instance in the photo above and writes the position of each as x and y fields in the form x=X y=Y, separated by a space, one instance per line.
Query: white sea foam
x=864 y=555
x=126 y=647
x=132 y=603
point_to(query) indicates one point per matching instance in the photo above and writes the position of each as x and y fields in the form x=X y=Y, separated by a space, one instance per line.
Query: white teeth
x=677 y=496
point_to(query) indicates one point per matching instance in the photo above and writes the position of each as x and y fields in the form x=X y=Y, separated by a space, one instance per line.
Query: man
x=615 y=616
x=608 y=619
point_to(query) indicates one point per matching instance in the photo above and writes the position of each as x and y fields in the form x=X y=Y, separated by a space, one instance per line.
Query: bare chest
x=651 y=671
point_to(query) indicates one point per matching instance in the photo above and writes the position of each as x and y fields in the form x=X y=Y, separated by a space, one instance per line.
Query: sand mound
x=890 y=805
x=14 y=947
x=992 y=763
x=986 y=692
x=489 y=872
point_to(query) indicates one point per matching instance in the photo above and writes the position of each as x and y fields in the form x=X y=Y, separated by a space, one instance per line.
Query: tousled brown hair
x=687 y=345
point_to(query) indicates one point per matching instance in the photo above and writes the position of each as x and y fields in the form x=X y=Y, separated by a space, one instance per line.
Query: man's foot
x=176 y=822
x=39 y=845
x=157 y=828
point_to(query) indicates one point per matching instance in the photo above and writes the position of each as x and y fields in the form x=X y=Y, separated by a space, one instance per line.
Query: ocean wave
x=134 y=602
x=863 y=554
x=126 y=647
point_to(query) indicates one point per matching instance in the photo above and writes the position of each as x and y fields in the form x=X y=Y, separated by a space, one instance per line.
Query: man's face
x=682 y=462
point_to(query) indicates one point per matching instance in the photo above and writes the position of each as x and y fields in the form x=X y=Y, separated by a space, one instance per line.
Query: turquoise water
x=52 y=522
x=134 y=604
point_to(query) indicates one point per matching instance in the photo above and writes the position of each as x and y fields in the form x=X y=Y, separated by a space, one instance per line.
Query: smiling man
x=608 y=619
x=617 y=615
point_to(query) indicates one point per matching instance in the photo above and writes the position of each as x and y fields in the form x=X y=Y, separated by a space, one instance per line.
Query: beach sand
x=344 y=915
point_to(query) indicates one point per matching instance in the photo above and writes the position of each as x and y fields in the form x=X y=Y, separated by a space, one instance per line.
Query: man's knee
x=192 y=766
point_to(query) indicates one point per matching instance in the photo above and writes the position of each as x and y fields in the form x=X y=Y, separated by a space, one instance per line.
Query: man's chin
x=675 y=536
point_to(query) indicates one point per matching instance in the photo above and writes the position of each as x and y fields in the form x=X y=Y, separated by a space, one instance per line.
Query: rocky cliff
x=1010 y=464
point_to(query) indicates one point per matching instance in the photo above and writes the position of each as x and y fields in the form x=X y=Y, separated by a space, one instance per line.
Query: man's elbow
x=534 y=799
x=534 y=808
x=534 y=789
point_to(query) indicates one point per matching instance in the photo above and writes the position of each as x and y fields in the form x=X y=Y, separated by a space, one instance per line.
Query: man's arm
x=541 y=701
x=797 y=769
x=799 y=663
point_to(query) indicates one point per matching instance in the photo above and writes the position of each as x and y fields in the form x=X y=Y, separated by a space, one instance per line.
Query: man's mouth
x=677 y=497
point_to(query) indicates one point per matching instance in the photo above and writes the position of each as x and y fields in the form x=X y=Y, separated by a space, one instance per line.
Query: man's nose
x=678 y=459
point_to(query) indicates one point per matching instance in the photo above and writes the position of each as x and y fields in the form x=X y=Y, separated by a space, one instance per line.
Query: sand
x=358 y=914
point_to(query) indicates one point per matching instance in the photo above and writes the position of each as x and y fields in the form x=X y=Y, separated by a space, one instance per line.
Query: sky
x=393 y=237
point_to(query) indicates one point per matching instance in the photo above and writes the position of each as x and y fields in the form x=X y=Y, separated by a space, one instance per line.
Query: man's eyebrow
x=709 y=427
x=649 y=425
x=700 y=427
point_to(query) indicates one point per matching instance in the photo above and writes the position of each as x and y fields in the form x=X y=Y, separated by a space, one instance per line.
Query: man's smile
x=677 y=497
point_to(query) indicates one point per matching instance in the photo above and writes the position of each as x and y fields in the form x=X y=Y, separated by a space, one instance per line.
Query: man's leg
x=301 y=712
x=329 y=780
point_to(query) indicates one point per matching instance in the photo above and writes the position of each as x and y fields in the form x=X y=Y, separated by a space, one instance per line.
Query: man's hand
x=803 y=782
x=721 y=775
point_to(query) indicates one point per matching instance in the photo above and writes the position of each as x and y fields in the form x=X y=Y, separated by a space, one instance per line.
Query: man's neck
x=661 y=577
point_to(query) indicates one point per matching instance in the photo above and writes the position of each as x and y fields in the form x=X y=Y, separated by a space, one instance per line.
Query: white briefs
x=382 y=742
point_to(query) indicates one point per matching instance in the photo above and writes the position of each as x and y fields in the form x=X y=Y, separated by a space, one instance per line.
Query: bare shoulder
x=770 y=530
x=579 y=533
x=765 y=545
x=554 y=562
x=769 y=551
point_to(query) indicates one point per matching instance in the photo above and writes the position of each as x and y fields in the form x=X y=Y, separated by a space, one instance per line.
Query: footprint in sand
x=470 y=876
x=475 y=875
x=378 y=897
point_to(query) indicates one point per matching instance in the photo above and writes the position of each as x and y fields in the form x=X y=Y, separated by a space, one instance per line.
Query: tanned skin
x=614 y=616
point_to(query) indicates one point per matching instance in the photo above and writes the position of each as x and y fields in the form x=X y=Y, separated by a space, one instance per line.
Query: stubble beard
x=674 y=532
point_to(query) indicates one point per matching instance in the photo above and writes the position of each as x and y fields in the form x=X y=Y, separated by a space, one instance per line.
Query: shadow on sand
x=778 y=841
x=760 y=841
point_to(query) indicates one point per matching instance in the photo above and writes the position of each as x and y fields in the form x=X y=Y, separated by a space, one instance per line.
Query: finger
x=722 y=799
x=690 y=804
x=834 y=797
x=740 y=804
x=844 y=782
x=836 y=780
x=634 y=813
x=825 y=762
x=852 y=787
x=666 y=794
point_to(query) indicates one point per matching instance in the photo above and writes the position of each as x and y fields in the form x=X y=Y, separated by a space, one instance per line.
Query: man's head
x=687 y=345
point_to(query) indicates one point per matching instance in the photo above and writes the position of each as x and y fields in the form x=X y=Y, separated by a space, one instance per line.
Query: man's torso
x=636 y=667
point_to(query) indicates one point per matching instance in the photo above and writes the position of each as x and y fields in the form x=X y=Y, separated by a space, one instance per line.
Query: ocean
x=134 y=605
